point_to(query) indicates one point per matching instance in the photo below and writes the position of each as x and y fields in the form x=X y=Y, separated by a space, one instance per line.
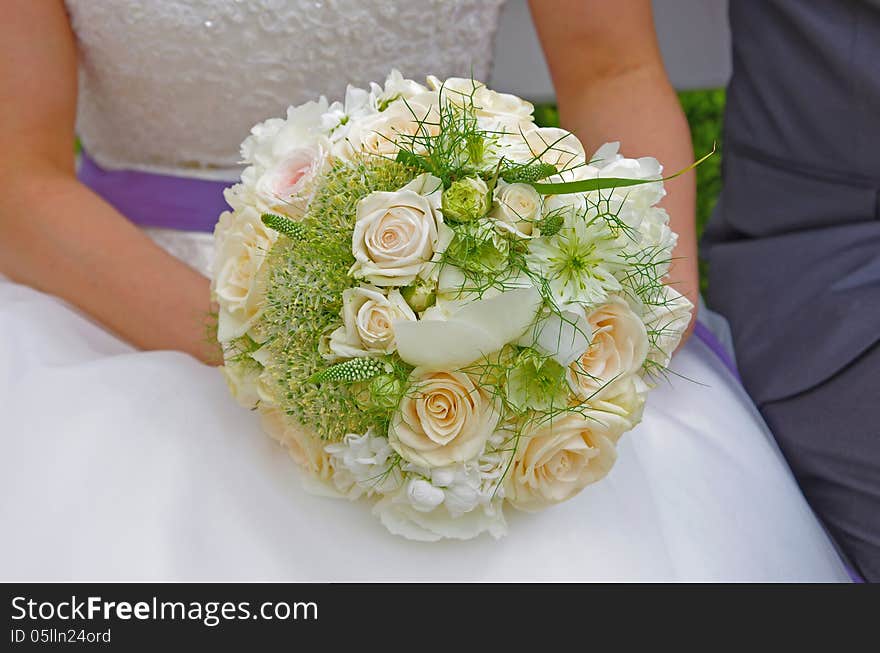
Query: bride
x=122 y=455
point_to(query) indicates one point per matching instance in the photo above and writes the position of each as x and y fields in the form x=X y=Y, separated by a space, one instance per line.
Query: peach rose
x=618 y=349
x=368 y=315
x=445 y=418
x=306 y=448
x=559 y=457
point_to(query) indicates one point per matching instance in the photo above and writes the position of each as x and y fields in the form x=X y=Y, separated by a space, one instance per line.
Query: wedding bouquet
x=441 y=307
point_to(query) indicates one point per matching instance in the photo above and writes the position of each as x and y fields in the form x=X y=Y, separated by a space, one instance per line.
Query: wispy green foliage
x=705 y=114
x=304 y=300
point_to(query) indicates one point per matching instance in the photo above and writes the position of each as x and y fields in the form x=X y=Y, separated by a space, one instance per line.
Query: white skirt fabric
x=117 y=464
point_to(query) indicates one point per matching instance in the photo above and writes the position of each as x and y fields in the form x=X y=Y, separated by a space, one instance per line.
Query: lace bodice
x=175 y=85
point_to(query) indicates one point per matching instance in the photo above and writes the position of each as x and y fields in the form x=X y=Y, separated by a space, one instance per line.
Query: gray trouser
x=830 y=435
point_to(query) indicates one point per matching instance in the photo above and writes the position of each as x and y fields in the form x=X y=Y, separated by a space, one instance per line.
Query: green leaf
x=601 y=183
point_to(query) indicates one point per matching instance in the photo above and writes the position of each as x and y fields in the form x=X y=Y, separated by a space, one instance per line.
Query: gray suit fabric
x=794 y=246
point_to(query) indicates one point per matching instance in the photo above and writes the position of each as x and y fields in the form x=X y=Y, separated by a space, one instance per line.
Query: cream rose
x=396 y=87
x=617 y=350
x=518 y=208
x=669 y=317
x=658 y=239
x=368 y=316
x=445 y=418
x=625 y=398
x=561 y=456
x=487 y=103
x=559 y=148
x=306 y=449
x=249 y=383
x=396 y=235
x=380 y=133
x=273 y=140
x=242 y=242
x=287 y=186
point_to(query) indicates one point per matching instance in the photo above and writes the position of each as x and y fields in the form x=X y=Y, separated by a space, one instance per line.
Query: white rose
x=656 y=240
x=242 y=242
x=381 y=133
x=367 y=463
x=608 y=162
x=518 y=208
x=368 y=316
x=557 y=147
x=559 y=457
x=487 y=103
x=396 y=235
x=273 y=140
x=445 y=418
x=249 y=382
x=618 y=348
x=630 y=204
x=339 y=116
x=400 y=517
x=667 y=318
x=396 y=87
x=243 y=380
x=287 y=186
x=571 y=207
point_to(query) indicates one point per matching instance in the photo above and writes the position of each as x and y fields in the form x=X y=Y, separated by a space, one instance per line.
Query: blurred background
x=695 y=41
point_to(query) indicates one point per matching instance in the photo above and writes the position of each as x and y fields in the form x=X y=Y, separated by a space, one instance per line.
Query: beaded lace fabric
x=174 y=86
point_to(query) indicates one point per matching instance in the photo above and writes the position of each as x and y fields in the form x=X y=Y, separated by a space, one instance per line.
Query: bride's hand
x=611 y=85
x=55 y=234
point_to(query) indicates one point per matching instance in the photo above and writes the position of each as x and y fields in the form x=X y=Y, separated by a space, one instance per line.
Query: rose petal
x=477 y=329
x=442 y=344
x=564 y=336
x=506 y=315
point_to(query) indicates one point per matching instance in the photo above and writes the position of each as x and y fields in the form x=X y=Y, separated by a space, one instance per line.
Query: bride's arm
x=55 y=234
x=611 y=85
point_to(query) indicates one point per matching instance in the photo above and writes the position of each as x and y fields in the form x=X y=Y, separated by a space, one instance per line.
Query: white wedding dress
x=120 y=464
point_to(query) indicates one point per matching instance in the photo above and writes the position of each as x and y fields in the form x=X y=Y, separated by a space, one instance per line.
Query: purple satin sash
x=155 y=200
x=702 y=332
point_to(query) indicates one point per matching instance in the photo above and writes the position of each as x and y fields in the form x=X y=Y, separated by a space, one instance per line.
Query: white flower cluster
x=520 y=386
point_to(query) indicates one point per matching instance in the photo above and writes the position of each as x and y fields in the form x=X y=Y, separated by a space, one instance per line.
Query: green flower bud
x=536 y=382
x=466 y=199
x=385 y=391
x=476 y=147
x=419 y=296
x=479 y=247
x=551 y=224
